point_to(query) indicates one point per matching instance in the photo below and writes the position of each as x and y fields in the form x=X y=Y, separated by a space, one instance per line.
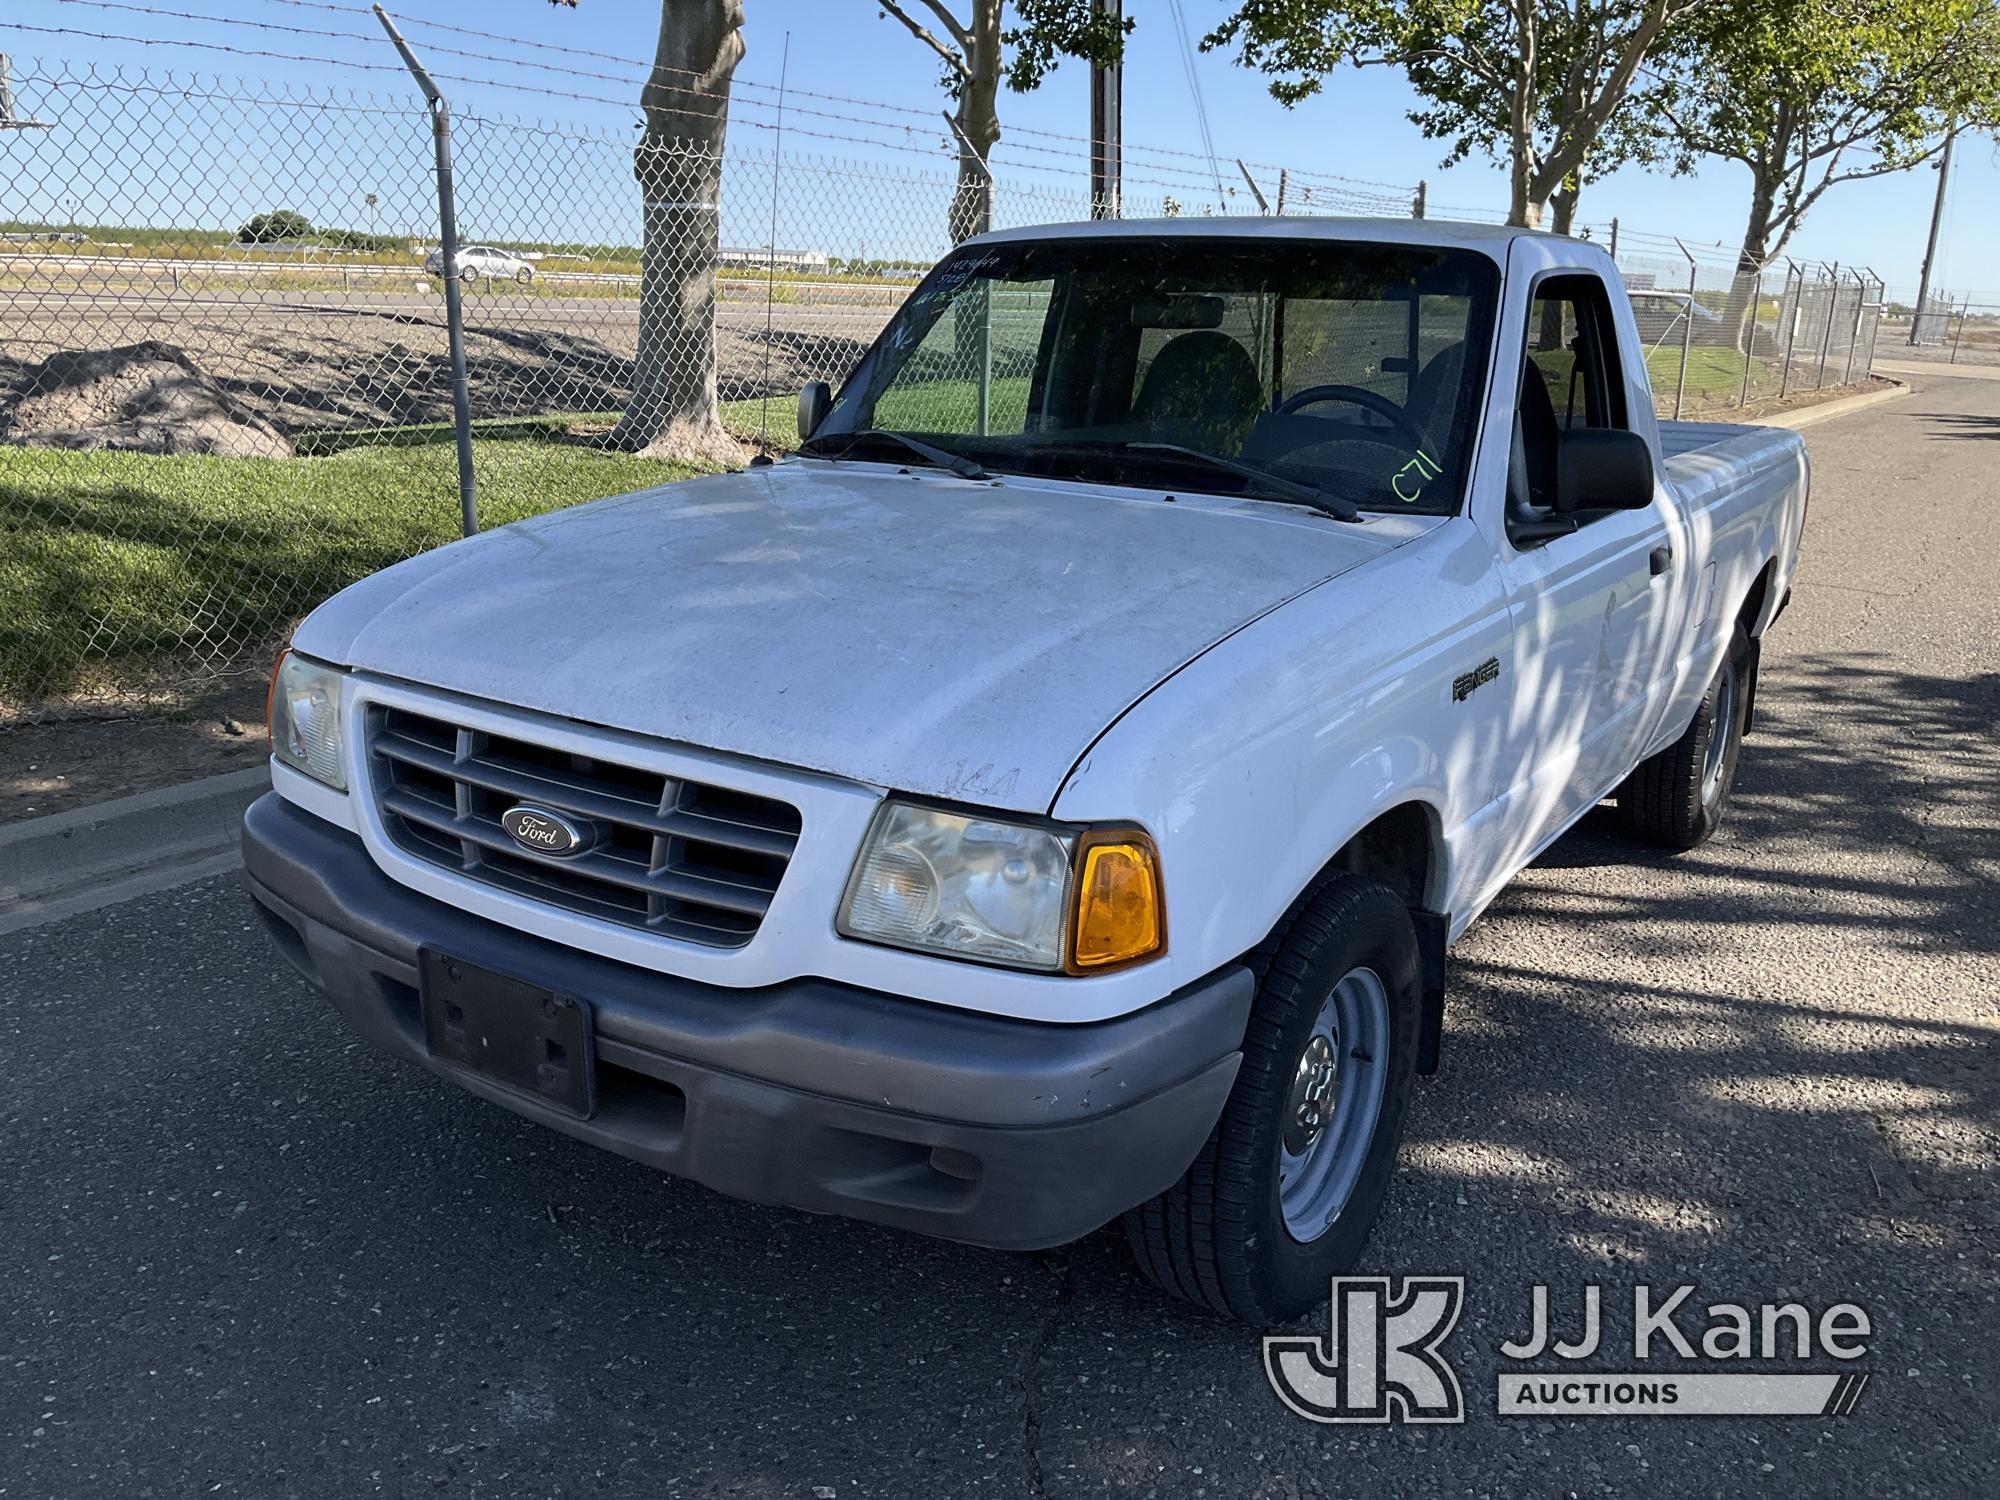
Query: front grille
x=677 y=857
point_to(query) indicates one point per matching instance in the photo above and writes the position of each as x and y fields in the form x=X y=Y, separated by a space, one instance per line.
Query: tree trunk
x=1523 y=212
x=1564 y=215
x=673 y=410
x=1740 y=317
x=978 y=117
x=1563 y=209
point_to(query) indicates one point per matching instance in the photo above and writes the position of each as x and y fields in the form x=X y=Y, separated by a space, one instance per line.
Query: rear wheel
x=1284 y=1193
x=1677 y=797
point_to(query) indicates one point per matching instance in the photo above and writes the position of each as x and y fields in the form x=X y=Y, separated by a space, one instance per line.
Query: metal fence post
x=985 y=223
x=1750 y=343
x=1832 y=306
x=454 y=310
x=1798 y=305
x=1964 y=316
x=1687 y=334
x=1881 y=297
x=1854 y=341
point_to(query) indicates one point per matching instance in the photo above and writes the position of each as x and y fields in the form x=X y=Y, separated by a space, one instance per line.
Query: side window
x=1571 y=378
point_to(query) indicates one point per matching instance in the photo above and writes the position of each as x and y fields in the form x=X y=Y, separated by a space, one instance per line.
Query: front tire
x=1284 y=1193
x=1677 y=797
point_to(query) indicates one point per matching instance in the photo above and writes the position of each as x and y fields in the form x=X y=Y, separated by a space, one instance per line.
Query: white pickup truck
x=1050 y=795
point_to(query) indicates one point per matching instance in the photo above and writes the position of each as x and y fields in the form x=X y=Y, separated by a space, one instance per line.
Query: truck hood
x=912 y=630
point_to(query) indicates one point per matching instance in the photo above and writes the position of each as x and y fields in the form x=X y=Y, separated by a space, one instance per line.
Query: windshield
x=1351 y=368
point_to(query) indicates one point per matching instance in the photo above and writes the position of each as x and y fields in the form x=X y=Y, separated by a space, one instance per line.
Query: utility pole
x=1107 y=122
x=1930 y=249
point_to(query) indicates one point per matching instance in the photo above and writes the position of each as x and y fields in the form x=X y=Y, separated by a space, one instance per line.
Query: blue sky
x=1357 y=129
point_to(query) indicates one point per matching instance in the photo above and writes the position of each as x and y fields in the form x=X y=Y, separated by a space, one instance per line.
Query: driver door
x=1589 y=605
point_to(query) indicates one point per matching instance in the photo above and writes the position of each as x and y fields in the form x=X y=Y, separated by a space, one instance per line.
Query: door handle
x=1662 y=558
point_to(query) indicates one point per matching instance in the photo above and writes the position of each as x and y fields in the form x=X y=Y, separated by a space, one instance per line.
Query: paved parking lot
x=244 y=1254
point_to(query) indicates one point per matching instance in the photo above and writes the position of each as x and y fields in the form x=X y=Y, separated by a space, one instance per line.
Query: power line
x=1200 y=107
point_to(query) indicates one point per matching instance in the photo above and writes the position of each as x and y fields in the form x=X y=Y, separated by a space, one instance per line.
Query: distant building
x=757 y=257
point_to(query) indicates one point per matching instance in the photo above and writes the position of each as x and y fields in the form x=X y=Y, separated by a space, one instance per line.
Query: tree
x=277 y=225
x=1474 y=116
x=673 y=409
x=1809 y=95
x=983 y=50
x=1540 y=85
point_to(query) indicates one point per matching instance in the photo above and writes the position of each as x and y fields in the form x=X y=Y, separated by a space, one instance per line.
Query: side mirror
x=815 y=401
x=1603 y=468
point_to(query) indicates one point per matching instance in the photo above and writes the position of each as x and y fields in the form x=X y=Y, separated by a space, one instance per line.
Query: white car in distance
x=483 y=263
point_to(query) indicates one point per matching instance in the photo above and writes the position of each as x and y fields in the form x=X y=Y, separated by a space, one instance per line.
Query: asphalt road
x=243 y=1254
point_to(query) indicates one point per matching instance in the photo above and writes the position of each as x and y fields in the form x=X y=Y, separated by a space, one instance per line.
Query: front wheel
x=1677 y=797
x=1284 y=1193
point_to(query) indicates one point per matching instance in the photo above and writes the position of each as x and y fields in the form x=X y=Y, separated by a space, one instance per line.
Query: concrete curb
x=88 y=857
x=1807 y=416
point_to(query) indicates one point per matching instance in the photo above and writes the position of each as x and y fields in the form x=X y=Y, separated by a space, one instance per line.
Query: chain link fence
x=1951 y=328
x=1719 y=338
x=225 y=380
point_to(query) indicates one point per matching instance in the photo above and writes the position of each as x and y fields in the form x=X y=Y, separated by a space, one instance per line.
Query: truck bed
x=1703 y=458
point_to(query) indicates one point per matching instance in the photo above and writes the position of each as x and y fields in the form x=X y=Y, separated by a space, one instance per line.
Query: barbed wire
x=1084 y=145
x=1174 y=179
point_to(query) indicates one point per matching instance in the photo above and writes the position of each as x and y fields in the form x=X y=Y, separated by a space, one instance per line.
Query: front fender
x=1256 y=763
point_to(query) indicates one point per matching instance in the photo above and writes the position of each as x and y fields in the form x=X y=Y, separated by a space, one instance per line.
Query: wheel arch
x=1402 y=847
x=1756 y=609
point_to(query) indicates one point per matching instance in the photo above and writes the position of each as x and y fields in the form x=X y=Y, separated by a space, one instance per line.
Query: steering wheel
x=1374 y=401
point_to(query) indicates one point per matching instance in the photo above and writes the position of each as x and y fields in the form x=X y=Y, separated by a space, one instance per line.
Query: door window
x=1570 y=378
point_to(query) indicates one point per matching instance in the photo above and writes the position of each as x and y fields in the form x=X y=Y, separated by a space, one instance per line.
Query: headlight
x=1008 y=893
x=305 y=719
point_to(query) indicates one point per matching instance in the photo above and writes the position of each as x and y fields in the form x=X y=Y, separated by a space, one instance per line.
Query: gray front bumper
x=1010 y=1134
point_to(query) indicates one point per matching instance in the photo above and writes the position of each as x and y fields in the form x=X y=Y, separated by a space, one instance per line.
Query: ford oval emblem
x=543 y=831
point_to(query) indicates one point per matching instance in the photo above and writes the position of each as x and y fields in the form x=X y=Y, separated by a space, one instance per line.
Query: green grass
x=114 y=565
x=953 y=406
x=1714 y=376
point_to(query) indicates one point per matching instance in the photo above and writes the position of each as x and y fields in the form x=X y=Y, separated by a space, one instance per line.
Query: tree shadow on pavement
x=1968 y=425
x=1928 y=787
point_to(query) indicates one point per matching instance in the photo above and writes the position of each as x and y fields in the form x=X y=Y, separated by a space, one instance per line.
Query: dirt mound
x=141 y=398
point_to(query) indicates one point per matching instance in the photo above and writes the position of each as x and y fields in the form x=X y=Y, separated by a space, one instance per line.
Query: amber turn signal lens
x=271 y=692
x=1118 y=905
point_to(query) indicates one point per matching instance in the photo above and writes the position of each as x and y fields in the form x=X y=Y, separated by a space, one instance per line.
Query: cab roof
x=1489 y=239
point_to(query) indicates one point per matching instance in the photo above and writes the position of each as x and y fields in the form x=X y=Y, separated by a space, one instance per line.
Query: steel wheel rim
x=1717 y=754
x=1339 y=1081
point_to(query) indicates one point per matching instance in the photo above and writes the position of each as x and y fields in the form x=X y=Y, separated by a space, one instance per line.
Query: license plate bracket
x=522 y=1035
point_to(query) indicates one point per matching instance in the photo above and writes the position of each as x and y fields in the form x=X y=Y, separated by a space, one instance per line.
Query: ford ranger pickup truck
x=1049 y=796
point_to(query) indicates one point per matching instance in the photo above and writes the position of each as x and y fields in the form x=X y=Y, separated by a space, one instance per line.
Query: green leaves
x=1812 y=93
x=1046 y=31
x=1545 y=87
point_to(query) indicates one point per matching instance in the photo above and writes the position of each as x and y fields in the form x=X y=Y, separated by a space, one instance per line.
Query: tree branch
x=953 y=60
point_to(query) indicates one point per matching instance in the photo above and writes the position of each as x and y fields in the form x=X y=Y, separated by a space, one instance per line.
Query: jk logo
x=1380 y=1361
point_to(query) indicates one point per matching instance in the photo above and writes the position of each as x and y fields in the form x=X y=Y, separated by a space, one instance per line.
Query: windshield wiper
x=839 y=444
x=1276 y=486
